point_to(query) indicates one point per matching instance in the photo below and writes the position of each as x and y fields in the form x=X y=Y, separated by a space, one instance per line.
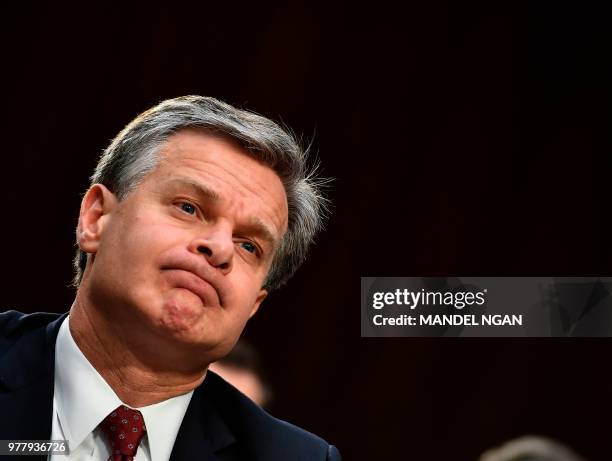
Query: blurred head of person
x=531 y=448
x=242 y=369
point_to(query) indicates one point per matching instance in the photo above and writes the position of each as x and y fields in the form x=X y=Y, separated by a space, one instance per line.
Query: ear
x=260 y=297
x=96 y=208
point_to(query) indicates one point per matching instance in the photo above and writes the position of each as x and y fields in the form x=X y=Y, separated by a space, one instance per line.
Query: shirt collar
x=84 y=399
x=163 y=421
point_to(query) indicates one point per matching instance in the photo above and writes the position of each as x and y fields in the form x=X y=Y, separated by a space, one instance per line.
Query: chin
x=180 y=314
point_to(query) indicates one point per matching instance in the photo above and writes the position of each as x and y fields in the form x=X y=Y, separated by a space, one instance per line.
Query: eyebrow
x=261 y=230
x=199 y=189
x=255 y=226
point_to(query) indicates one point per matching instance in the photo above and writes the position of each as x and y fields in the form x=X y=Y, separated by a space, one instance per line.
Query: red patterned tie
x=124 y=428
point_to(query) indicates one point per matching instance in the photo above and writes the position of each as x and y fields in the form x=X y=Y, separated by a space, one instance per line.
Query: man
x=196 y=212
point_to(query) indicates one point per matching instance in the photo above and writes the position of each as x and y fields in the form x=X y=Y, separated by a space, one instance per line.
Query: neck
x=138 y=373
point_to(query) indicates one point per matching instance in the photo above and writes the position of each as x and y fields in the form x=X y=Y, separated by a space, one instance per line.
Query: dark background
x=465 y=140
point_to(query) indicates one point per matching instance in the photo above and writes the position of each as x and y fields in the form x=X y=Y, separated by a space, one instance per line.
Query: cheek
x=247 y=299
x=127 y=260
x=140 y=240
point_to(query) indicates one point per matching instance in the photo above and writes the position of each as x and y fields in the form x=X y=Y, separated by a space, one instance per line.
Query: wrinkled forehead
x=222 y=171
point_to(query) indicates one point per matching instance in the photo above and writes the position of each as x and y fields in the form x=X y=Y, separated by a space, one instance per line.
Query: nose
x=217 y=246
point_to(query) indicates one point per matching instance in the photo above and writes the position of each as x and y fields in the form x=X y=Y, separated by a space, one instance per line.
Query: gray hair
x=134 y=153
x=531 y=448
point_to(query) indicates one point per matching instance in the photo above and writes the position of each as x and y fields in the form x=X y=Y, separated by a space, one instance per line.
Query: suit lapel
x=202 y=433
x=26 y=390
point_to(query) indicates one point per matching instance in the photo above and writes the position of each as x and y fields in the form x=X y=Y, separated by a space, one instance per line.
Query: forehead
x=225 y=173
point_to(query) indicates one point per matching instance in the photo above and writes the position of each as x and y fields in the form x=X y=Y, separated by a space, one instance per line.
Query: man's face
x=184 y=256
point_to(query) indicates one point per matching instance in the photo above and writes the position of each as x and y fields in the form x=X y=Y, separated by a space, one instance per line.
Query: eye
x=187 y=207
x=248 y=246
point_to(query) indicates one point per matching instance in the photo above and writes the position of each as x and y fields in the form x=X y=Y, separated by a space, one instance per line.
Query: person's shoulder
x=267 y=437
x=14 y=324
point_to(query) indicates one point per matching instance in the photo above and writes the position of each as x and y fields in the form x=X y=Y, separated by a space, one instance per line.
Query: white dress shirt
x=82 y=399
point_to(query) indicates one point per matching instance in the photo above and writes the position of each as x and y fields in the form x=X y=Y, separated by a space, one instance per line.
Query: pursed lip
x=205 y=290
x=198 y=276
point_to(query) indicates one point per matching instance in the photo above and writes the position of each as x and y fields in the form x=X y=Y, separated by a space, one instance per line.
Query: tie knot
x=123 y=428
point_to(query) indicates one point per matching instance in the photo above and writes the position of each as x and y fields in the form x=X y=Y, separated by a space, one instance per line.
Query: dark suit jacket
x=220 y=424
